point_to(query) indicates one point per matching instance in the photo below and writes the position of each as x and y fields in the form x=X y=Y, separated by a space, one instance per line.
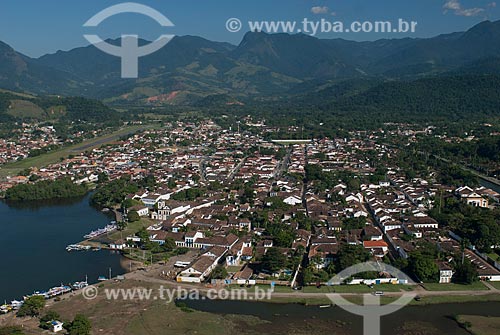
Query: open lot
x=478 y=286
x=480 y=325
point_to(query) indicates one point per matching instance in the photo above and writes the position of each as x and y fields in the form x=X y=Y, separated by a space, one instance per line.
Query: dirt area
x=480 y=325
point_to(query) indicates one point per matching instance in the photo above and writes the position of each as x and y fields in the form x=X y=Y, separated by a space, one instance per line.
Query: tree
x=46 y=189
x=102 y=178
x=350 y=255
x=424 y=267
x=308 y=275
x=465 y=273
x=169 y=244
x=32 y=306
x=143 y=235
x=171 y=183
x=313 y=172
x=133 y=216
x=219 y=272
x=80 y=326
x=274 y=260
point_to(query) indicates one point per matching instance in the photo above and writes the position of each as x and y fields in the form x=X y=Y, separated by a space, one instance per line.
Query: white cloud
x=320 y=10
x=456 y=8
x=492 y=4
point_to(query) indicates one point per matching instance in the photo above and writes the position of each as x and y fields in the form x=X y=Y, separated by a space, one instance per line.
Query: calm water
x=438 y=318
x=33 y=239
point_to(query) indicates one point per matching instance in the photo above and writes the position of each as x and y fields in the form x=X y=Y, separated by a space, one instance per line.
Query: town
x=293 y=212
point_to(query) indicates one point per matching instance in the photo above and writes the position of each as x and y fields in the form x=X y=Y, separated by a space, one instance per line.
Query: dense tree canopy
x=46 y=189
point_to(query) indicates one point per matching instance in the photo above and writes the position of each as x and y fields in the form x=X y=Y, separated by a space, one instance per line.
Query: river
x=33 y=238
x=428 y=320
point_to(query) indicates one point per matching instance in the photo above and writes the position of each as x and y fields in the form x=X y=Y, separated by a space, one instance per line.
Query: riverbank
x=480 y=325
x=140 y=316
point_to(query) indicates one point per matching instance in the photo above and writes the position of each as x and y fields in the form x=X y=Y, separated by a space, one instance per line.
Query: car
x=378 y=293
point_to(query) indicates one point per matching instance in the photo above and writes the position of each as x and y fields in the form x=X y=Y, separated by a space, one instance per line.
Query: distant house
x=371 y=233
x=162 y=211
x=471 y=197
x=292 y=200
x=142 y=211
x=376 y=245
x=323 y=255
x=57 y=326
x=445 y=273
x=118 y=245
x=201 y=268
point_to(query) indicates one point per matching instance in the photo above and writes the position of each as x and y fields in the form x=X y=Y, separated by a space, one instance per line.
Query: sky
x=38 y=27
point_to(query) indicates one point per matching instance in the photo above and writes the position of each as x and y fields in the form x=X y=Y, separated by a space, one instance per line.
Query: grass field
x=12 y=169
x=131 y=229
x=477 y=286
x=494 y=256
x=495 y=284
x=456 y=299
x=25 y=109
x=356 y=288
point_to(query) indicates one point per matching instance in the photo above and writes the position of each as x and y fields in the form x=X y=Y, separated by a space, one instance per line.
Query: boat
x=77 y=247
x=4 y=309
x=79 y=285
x=325 y=306
x=36 y=294
x=102 y=278
x=59 y=290
x=109 y=228
x=15 y=304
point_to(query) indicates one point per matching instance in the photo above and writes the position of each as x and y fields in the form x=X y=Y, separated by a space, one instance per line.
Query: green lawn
x=356 y=288
x=131 y=229
x=12 y=169
x=495 y=284
x=494 y=256
x=233 y=268
x=478 y=286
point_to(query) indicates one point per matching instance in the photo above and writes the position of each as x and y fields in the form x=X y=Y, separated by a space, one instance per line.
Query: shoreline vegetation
x=46 y=190
x=151 y=310
x=479 y=325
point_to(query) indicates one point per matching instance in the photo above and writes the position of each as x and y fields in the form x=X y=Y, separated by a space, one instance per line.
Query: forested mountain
x=195 y=71
x=15 y=106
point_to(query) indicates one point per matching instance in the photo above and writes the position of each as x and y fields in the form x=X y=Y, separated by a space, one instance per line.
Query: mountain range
x=191 y=70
